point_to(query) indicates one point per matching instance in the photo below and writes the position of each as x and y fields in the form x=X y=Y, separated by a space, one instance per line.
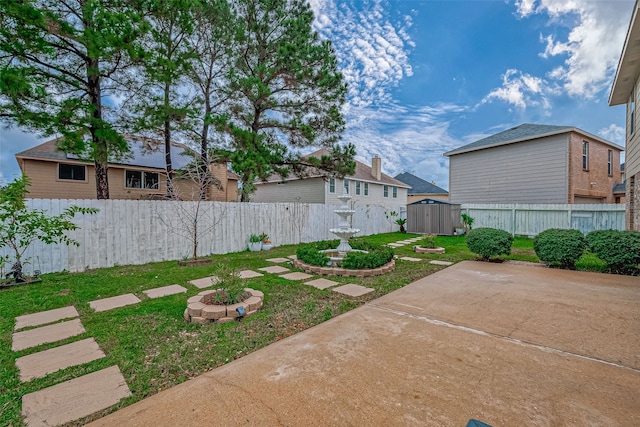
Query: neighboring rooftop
x=419 y=185
x=143 y=154
x=362 y=172
x=523 y=132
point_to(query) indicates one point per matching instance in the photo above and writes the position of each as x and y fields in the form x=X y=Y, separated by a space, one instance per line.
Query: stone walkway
x=77 y=398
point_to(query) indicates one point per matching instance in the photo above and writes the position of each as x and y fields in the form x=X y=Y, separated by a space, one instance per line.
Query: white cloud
x=613 y=133
x=520 y=90
x=372 y=49
x=593 y=45
x=13 y=141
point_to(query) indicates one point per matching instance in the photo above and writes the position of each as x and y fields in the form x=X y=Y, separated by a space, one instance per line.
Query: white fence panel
x=136 y=232
x=531 y=219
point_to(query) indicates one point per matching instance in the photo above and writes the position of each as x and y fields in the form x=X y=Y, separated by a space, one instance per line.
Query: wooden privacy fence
x=138 y=231
x=433 y=218
x=531 y=219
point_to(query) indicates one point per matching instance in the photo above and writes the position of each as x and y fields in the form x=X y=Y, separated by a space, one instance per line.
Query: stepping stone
x=204 y=282
x=113 y=302
x=274 y=269
x=278 y=260
x=74 y=399
x=46 y=334
x=408 y=258
x=436 y=262
x=293 y=257
x=40 y=364
x=164 y=291
x=44 y=317
x=395 y=245
x=249 y=274
x=296 y=276
x=352 y=290
x=321 y=283
x=403 y=242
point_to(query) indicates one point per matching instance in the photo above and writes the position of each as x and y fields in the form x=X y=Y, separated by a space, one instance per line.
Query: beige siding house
x=626 y=90
x=141 y=175
x=367 y=186
x=534 y=163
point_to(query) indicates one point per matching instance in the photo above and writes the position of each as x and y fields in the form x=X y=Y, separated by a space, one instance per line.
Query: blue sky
x=429 y=76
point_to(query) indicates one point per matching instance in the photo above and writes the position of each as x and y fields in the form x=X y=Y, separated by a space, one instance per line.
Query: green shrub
x=620 y=250
x=560 y=247
x=428 y=241
x=310 y=254
x=376 y=257
x=489 y=242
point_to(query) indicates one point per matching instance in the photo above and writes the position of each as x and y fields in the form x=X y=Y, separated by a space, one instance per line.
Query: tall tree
x=161 y=108
x=213 y=43
x=57 y=60
x=286 y=94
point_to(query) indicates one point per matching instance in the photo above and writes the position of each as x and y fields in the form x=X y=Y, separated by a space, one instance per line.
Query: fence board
x=531 y=219
x=136 y=232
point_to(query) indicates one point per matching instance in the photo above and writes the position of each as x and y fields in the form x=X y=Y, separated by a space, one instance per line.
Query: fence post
x=569 y=212
x=513 y=220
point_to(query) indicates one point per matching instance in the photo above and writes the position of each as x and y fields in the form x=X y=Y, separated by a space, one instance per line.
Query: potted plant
x=255 y=243
x=266 y=242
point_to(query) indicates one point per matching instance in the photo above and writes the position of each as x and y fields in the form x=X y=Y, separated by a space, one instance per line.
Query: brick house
x=533 y=163
x=139 y=175
x=625 y=91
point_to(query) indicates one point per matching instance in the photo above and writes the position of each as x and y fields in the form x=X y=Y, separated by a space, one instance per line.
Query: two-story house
x=626 y=90
x=140 y=174
x=533 y=163
x=421 y=189
x=368 y=185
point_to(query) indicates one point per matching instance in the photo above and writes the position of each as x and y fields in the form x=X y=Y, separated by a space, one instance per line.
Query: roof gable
x=524 y=132
x=419 y=185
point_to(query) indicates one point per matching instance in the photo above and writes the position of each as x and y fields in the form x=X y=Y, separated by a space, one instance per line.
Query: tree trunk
x=167 y=143
x=101 y=146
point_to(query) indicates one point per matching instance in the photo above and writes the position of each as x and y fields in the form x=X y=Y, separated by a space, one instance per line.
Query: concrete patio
x=510 y=345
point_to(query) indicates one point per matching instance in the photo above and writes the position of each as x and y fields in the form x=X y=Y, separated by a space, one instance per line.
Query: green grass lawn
x=152 y=344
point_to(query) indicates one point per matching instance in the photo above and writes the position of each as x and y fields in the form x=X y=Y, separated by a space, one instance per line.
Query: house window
x=72 y=172
x=357 y=188
x=385 y=191
x=585 y=155
x=610 y=163
x=332 y=185
x=395 y=192
x=366 y=188
x=140 y=179
x=346 y=186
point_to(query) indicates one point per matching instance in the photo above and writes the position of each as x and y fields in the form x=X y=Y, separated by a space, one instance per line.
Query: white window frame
x=585 y=155
x=357 y=188
x=332 y=185
x=366 y=188
x=610 y=162
x=394 y=191
x=142 y=180
x=345 y=185
x=385 y=191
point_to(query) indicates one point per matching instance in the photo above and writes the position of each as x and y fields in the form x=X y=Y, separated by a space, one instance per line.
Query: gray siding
x=524 y=172
x=302 y=191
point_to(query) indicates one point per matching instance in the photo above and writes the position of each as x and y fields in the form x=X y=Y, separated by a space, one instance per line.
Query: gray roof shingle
x=419 y=185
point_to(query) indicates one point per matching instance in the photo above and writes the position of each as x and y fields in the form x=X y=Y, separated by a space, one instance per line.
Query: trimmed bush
x=489 y=242
x=377 y=256
x=620 y=250
x=428 y=241
x=560 y=247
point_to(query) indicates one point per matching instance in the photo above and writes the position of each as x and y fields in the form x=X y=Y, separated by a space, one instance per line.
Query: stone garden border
x=337 y=271
x=200 y=310
x=421 y=250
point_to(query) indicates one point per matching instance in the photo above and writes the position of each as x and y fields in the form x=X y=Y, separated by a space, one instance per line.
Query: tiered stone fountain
x=344 y=230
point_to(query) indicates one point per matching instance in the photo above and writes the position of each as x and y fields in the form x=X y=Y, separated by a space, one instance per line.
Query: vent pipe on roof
x=376 y=167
